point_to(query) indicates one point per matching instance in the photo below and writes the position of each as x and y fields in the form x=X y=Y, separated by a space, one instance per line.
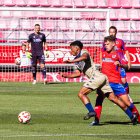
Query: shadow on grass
x=116 y=122
x=136 y=102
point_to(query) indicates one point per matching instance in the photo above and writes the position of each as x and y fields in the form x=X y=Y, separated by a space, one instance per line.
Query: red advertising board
x=57 y=54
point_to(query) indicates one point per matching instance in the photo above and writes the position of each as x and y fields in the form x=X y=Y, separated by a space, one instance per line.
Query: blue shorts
x=118 y=89
x=123 y=73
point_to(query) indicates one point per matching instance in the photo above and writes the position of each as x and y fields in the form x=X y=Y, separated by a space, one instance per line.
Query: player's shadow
x=116 y=122
x=136 y=102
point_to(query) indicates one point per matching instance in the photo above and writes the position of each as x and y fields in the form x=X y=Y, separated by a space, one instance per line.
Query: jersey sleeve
x=123 y=46
x=29 y=39
x=122 y=60
x=44 y=38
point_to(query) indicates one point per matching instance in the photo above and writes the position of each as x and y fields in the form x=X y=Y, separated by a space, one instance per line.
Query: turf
x=57 y=114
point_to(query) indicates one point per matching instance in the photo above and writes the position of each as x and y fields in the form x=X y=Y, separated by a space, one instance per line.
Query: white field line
x=64 y=135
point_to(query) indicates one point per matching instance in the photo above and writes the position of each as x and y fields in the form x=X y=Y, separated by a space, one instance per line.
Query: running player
x=38 y=41
x=112 y=62
x=120 y=47
x=96 y=80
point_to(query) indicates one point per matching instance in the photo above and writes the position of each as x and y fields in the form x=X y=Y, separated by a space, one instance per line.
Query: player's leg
x=43 y=68
x=86 y=101
x=34 y=66
x=95 y=82
x=120 y=92
x=124 y=81
x=98 y=106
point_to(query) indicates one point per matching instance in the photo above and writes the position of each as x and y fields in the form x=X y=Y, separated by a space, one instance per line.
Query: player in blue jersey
x=38 y=44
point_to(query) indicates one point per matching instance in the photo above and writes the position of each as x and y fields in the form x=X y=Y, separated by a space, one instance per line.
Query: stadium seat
x=125 y=4
x=14 y=25
x=122 y=14
x=83 y=36
x=56 y=3
x=62 y=26
x=87 y=15
x=41 y=15
x=136 y=4
x=79 y=3
x=102 y=4
x=20 y=3
x=4 y=25
x=85 y=26
x=53 y=15
x=44 y=3
x=33 y=3
x=18 y=14
x=26 y=25
x=49 y=25
x=74 y=26
x=60 y=37
x=91 y=3
x=122 y=26
x=30 y=14
x=134 y=14
x=23 y=36
x=114 y=4
x=99 y=15
x=9 y=3
x=99 y=26
x=67 y=3
x=1 y=2
x=5 y=14
x=50 y=38
x=113 y=16
x=77 y=16
x=137 y=26
x=66 y=15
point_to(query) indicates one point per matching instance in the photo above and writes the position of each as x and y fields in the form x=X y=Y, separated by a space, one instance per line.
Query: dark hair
x=23 y=44
x=77 y=43
x=109 y=38
x=37 y=25
x=113 y=27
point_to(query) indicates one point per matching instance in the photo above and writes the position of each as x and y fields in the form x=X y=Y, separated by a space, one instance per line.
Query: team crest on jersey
x=40 y=36
x=113 y=56
x=117 y=42
x=34 y=36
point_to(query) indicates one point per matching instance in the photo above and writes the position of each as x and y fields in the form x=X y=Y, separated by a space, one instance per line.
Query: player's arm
x=75 y=74
x=128 y=58
x=81 y=58
x=122 y=65
x=127 y=54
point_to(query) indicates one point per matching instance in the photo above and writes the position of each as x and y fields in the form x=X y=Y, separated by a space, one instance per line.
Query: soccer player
x=120 y=47
x=96 y=80
x=23 y=57
x=38 y=44
x=112 y=62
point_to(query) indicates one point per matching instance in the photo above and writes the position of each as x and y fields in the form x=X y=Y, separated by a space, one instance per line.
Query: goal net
x=61 y=27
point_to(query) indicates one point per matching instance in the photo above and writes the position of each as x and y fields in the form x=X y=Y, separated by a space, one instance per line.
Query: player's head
x=113 y=31
x=109 y=43
x=23 y=47
x=37 y=28
x=76 y=47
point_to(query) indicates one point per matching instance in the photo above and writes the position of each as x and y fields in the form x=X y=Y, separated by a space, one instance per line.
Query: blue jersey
x=37 y=41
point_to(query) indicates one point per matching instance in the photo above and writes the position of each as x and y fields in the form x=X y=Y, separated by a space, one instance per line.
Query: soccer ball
x=24 y=117
x=18 y=61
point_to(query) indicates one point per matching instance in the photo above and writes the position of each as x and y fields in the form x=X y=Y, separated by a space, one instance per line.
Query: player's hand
x=68 y=61
x=117 y=63
x=29 y=55
x=129 y=66
x=46 y=53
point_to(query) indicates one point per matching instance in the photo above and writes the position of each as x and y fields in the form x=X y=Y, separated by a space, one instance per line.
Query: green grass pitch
x=57 y=114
